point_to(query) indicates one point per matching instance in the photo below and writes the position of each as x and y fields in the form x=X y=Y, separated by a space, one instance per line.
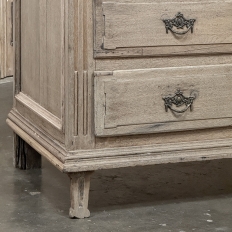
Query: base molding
x=41 y=142
x=95 y=159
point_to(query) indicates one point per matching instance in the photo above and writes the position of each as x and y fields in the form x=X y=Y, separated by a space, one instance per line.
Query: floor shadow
x=140 y=186
x=159 y=183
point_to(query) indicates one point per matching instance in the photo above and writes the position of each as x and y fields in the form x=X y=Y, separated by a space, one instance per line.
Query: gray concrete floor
x=174 y=197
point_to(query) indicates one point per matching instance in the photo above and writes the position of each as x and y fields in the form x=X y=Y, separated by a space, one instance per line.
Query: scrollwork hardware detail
x=178 y=100
x=180 y=22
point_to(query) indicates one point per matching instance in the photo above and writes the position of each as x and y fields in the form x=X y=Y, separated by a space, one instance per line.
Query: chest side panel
x=41 y=64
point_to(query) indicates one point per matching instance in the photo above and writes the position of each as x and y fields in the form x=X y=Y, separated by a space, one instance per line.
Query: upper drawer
x=148 y=101
x=126 y=26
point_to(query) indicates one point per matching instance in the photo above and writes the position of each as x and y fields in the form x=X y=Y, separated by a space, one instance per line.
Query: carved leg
x=80 y=183
x=25 y=157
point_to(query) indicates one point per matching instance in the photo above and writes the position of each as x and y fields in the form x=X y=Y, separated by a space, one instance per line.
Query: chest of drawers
x=103 y=84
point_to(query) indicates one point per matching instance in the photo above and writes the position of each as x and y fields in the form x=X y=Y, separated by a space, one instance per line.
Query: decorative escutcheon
x=180 y=23
x=178 y=100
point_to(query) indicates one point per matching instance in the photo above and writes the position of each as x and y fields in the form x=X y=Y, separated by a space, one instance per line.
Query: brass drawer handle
x=180 y=22
x=178 y=100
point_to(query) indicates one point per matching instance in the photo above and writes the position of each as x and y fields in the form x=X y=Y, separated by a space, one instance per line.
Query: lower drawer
x=162 y=100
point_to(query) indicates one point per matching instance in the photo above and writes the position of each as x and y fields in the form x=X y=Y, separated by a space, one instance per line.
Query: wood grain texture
x=123 y=29
x=54 y=56
x=6 y=48
x=105 y=158
x=43 y=144
x=148 y=155
x=79 y=191
x=78 y=122
x=77 y=58
x=131 y=102
x=159 y=62
x=140 y=24
x=42 y=52
x=30 y=45
x=162 y=51
x=39 y=63
x=82 y=129
x=42 y=113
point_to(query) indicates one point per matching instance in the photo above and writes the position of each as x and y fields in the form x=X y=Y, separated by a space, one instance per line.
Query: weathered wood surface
x=42 y=53
x=60 y=46
x=124 y=156
x=140 y=25
x=131 y=102
x=74 y=128
x=43 y=144
x=79 y=191
x=79 y=66
x=6 y=38
x=39 y=116
x=81 y=117
x=160 y=62
x=135 y=28
x=39 y=63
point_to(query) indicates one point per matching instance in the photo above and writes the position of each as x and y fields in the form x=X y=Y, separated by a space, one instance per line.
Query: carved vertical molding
x=80 y=66
x=84 y=66
x=76 y=110
x=85 y=103
x=81 y=104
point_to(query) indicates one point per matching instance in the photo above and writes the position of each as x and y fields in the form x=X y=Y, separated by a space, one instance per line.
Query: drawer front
x=162 y=100
x=138 y=25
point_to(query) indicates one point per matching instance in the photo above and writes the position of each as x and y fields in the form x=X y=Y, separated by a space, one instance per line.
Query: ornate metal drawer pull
x=180 y=22
x=178 y=100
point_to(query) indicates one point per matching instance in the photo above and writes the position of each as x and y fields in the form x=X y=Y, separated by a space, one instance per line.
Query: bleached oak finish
x=131 y=102
x=122 y=28
x=124 y=23
x=91 y=75
x=6 y=38
x=85 y=160
x=80 y=184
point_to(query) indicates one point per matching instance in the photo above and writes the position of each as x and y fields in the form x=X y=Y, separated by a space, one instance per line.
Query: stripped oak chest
x=103 y=84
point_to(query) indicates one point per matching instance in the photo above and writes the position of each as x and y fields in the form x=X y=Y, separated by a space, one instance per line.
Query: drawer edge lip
x=163 y=51
x=105 y=73
x=138 y=129
x=148 y=155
